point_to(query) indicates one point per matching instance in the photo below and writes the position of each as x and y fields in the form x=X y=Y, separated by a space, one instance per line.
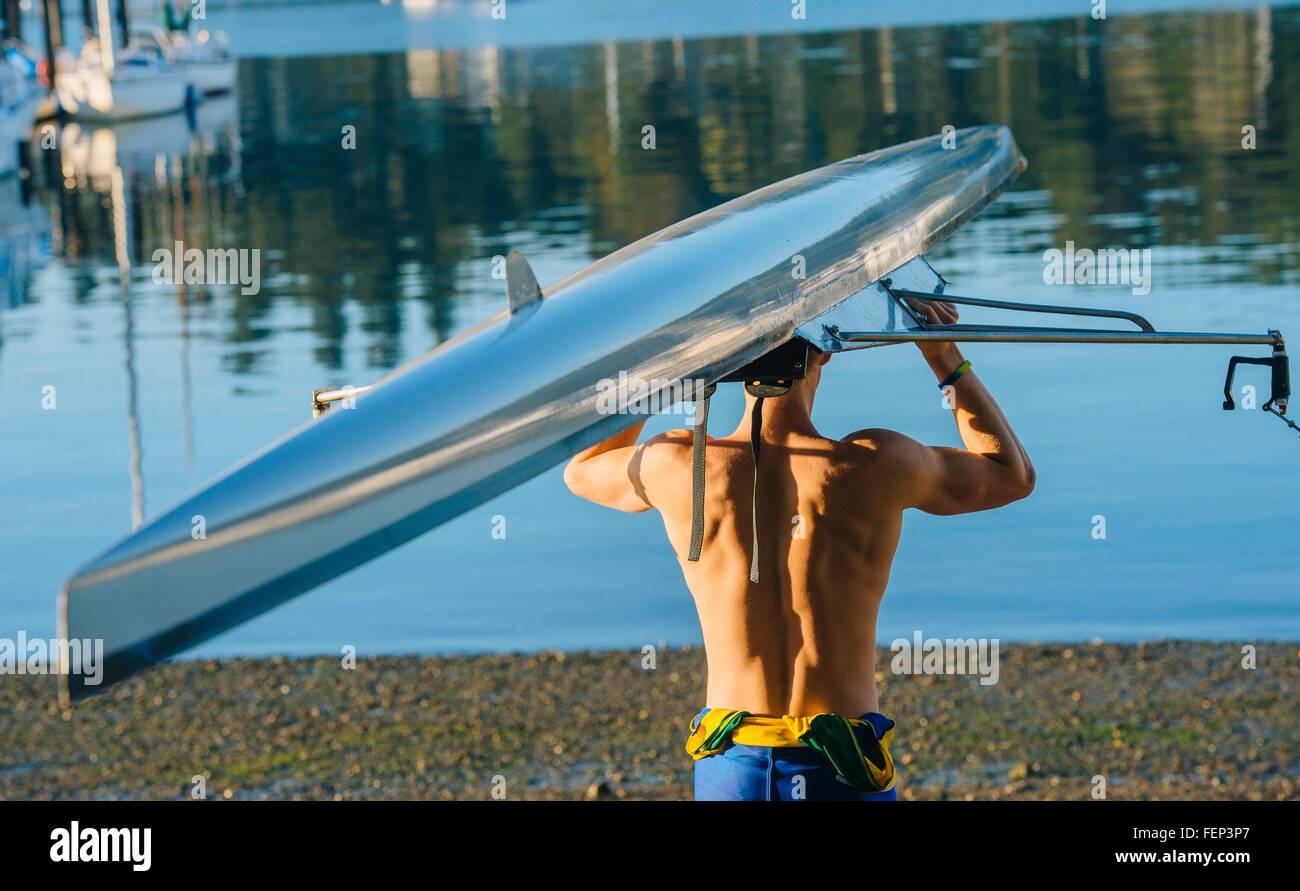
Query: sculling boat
x=516 y=395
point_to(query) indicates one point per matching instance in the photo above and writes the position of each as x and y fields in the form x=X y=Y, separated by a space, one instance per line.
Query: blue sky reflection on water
x=374 y=256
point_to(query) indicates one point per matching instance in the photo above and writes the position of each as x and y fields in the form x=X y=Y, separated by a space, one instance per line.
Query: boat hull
x=95 y=97
x=210 y=77
x=520 y=392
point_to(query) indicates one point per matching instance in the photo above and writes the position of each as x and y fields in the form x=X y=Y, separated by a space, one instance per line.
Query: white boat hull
x=92 y=95
x=209 y=77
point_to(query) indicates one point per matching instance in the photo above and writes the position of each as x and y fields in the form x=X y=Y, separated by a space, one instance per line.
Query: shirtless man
x=801 y=642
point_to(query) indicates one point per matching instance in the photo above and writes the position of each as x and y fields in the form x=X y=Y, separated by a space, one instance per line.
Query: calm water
x=373 y=256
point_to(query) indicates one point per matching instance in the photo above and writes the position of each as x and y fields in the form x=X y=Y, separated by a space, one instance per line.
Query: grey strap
x=699 y=439
x=756 y=442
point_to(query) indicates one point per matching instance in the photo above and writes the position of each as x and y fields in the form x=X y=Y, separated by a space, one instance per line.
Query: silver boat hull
x=503 y=402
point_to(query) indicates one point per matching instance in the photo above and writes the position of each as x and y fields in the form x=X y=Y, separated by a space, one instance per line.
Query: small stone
x=600 y=791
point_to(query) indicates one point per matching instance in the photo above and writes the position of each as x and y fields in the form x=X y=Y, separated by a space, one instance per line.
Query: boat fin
x=521 y=284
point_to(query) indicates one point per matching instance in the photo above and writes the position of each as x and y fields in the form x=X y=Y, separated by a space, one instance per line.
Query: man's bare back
x=802 y=640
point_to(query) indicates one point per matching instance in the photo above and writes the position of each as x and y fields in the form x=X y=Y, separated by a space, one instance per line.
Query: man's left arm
x=609 y=473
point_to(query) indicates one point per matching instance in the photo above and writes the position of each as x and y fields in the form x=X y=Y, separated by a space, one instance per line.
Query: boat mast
x=121 y=22
x=13 y=23
x=105 y=29
x=53 y=13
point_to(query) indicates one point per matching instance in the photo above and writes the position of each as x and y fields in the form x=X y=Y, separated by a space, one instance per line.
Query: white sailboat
x=204 y=57
x=108 y=85
x=206 y=60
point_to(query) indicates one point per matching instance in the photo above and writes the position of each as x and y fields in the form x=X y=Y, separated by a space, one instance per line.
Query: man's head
x=789 y=364
x=796 y=362
x=804 y=389
x=816 y=359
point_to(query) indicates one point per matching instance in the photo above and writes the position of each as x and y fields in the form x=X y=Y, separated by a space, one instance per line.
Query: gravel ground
x=1167 y=720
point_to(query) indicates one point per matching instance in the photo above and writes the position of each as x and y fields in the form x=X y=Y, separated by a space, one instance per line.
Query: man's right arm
x=993 y=469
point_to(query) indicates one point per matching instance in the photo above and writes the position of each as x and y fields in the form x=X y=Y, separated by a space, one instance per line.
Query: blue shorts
x=766 y=773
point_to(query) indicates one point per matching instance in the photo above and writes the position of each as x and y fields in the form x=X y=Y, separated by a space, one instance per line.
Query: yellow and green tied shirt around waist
x=740 y=756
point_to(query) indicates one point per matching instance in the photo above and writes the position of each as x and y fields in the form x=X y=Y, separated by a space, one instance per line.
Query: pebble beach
x=1165 y=720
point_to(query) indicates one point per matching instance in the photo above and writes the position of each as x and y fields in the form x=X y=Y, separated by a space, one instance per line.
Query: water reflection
x=461 y=155
x=374 y=254
x=24 y=243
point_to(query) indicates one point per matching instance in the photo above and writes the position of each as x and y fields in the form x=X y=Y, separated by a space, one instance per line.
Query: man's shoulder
x=670 y=442
x=879 y=441
x=881 y=460
x=662 y=465
x=668 y=449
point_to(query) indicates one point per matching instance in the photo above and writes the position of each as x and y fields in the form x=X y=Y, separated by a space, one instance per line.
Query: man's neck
x=783 y=416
